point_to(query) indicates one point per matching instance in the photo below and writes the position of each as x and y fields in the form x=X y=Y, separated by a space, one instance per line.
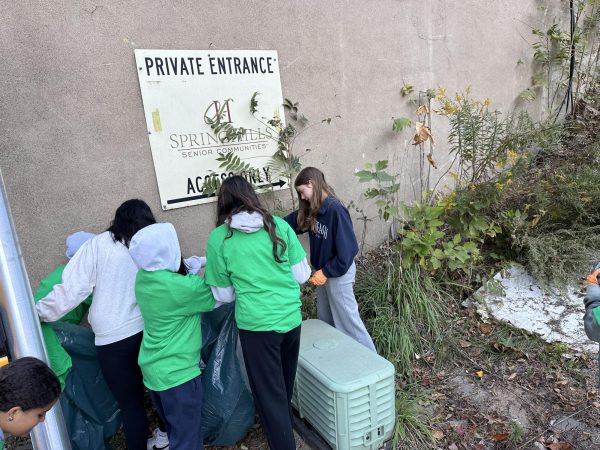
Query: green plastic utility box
x=345 y=391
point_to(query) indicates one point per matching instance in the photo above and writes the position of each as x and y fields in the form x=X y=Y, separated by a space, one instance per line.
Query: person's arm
x=78 y=281
x=301 y=271
x=194 y=295
x=345 y=244
x=591 y=319
x=216 y=274
x=296 y=254
x=223 y=294
x=292 y=220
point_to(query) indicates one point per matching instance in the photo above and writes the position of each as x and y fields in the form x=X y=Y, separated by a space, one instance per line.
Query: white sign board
x=181 y=89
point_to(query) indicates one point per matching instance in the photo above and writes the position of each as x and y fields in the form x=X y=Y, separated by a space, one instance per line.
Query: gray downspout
x=22 y=324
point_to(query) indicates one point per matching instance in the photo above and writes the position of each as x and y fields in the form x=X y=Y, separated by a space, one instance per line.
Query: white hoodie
x=251 y=223
x=156 y=247
x=105 y=268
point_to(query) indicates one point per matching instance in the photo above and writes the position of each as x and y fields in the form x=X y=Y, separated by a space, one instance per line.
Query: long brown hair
x=307 y=210
x=237 y=195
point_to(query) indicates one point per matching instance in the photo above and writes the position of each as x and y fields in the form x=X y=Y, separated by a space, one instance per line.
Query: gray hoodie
x=590 y=320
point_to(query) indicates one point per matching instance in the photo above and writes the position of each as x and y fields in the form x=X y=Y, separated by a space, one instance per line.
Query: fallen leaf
x=596 y=404
x=500 y=437
x=512 y=376
x=438 y=435
x=464 y=344
x=452 y=447
x=480 y=374
x=460 y=429
x=479 y=447
x=561 y=382
x=485 y=328
x=560 y=446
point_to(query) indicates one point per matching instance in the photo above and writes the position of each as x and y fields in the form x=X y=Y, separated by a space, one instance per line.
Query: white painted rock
x=555 y=314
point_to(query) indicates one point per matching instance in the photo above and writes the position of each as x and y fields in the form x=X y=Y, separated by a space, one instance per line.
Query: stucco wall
x=73 y=141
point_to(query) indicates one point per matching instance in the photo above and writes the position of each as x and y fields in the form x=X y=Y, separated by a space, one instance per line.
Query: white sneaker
x=158 y=441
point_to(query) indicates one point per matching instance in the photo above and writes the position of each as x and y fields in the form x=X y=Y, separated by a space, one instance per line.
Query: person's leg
x=290 y=348
x=118 y=362
x=262 y=356
x=344 y=308
x=323 y=307
x=160 y=411
x=159 y=439
x=182 y=409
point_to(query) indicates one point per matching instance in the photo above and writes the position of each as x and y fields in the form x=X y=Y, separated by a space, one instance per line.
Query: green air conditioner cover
x=345 y=391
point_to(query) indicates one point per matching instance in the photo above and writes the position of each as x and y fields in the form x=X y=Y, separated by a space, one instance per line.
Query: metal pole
x=21 y=323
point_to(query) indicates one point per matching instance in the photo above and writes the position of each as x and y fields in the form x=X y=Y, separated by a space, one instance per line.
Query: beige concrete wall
x=73 y=141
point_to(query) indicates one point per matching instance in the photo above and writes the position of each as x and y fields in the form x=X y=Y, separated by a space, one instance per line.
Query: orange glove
x=319 y=278
x=592 y=278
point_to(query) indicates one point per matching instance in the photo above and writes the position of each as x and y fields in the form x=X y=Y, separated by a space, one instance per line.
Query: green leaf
x=401 y=123
x=384 y=176
x=380 y=165
x=254 y=103
x=364 y=175
x=406 y=89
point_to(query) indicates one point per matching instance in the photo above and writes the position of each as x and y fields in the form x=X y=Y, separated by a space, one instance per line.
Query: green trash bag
x=228 y=408
x=91 y=412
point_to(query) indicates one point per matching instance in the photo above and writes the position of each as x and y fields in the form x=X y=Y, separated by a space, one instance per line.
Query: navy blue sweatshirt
x=333 y=244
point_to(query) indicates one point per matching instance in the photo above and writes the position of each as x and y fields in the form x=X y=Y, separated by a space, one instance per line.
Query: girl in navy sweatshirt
x=333 y=247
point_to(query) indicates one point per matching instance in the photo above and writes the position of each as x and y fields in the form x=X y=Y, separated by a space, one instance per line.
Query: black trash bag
x=91 y=412
x=228 y=408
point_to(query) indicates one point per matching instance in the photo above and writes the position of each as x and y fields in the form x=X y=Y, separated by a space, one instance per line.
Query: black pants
x=118 y=362
x=271 y=359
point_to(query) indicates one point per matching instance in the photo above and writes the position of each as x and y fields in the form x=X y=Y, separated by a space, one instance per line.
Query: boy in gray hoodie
x=591 y=318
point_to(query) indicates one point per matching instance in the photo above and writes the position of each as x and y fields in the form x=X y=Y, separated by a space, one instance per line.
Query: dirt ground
x=503 y=389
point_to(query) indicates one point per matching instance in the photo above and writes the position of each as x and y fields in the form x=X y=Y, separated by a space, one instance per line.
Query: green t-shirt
x=171 y=304
x=267 y=295
x=60 y=361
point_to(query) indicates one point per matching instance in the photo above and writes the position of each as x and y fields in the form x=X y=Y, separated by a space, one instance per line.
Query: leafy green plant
x=223 y=130
x=517 y=432
x=284 y=163
x=567 y=59
x=423 y=242
x=386 y=188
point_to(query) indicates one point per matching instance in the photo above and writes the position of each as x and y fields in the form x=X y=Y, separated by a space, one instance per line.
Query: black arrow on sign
x=279 y=183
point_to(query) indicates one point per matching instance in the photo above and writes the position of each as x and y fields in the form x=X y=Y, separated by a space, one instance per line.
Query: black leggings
x=271 y=359
x=118 y=362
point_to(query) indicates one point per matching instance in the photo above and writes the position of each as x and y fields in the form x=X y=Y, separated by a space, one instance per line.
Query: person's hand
x=195 y=263
x=319 y=279
x=592 y=278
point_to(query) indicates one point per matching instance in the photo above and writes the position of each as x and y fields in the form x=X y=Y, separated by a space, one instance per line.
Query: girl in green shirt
x=256 y=259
